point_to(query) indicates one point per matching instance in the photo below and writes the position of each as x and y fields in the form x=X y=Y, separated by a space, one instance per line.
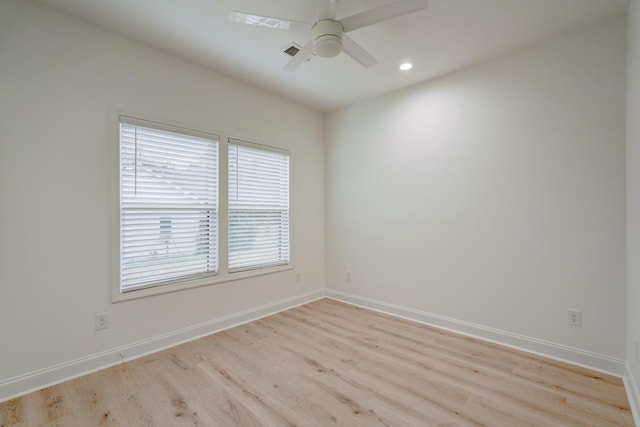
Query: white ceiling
x=447 y=36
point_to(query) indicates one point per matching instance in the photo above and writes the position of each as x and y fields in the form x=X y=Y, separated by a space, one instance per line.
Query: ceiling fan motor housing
x=327 y=38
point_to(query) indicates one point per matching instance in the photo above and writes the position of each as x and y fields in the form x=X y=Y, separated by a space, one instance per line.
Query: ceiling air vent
x=292 y=49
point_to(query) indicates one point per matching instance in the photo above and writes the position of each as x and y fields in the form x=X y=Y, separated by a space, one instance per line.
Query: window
x=171 y=209
x=168 y=205
x=258 y=206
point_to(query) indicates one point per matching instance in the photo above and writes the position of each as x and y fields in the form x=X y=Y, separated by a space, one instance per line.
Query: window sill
x=179 y=286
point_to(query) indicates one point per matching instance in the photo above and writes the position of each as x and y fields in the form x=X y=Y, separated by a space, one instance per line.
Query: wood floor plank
x=173 y=403
x=90 y=402
x=578 y=385
x=48 y=406
x=264 y=407
x=328 y=363
x=605 y=413
x=392 y=345
x=293 y=343
x=11 y=413
x=226 y=410
x=371 y=345
x=430 y=399
x=486 y=413
x=511 y=392
x=397 y=413
x=440 y=392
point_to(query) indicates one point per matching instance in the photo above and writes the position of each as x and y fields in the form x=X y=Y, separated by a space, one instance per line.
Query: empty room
x=320 y=212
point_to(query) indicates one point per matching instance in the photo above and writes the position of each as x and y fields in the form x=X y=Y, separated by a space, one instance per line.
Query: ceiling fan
x=328 y=34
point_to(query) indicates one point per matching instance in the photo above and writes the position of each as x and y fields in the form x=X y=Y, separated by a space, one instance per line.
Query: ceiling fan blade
x=382 y=13
x=299 y=57
x=357 y=52
x=262 y=20
x=326 y=9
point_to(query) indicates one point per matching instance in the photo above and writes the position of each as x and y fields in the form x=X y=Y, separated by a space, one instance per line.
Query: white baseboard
x=55 y=374
x=633 y=394
x=587 y=359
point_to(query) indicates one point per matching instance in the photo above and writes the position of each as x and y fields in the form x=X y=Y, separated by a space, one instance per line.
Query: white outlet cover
x=575 y=318
x=101 y=321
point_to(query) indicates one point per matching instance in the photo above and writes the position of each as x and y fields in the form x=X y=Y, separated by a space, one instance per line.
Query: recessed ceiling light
x=406 y=66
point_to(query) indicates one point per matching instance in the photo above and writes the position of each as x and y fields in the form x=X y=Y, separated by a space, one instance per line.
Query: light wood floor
x=327 y=363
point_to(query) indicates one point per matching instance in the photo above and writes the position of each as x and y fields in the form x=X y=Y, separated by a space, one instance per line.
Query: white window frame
x=223 y=274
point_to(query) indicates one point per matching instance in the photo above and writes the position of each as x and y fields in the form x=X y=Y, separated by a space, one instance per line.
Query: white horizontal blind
x=258 y=207
x=168 y=206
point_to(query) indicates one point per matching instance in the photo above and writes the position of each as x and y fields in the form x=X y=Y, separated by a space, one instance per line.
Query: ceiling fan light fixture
x=327 y=38
x=328 y=47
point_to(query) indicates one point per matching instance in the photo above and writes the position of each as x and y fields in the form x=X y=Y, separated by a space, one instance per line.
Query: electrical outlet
x=102 y=321
x=347 y=276
x=298 y=277
x=575 y=318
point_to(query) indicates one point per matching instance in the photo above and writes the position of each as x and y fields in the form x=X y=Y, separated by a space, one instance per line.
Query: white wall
x=633 y=185
x=59 y=81
x=495 y=195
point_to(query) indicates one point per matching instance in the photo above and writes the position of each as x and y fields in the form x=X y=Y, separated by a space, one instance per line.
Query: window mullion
x=223 y=204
